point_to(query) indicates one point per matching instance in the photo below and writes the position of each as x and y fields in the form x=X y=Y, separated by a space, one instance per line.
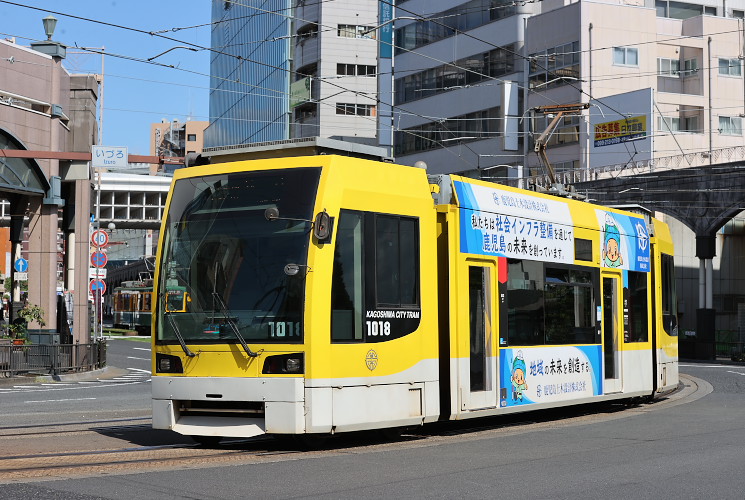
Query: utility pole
x=558 y=112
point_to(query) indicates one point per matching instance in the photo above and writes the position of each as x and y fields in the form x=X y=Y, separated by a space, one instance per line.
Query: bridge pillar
x=705 y=314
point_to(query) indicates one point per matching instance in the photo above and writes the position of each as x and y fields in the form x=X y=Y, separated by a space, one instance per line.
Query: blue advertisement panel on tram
x=549 y=374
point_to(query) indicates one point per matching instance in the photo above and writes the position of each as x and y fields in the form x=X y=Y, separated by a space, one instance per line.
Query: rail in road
x=129 y=445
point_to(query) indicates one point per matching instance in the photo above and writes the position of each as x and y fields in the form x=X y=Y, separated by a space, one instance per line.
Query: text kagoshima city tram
x=330 y=294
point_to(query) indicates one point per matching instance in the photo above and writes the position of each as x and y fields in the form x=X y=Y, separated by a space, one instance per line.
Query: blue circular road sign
x=21 y=265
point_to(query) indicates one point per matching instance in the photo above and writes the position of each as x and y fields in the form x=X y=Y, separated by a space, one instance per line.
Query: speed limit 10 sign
x=100 y=238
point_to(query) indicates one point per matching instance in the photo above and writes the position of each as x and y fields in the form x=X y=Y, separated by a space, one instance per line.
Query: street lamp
x=50 y=22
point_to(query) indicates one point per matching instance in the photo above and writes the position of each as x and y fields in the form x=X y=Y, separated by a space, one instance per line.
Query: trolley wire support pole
x=558 y=112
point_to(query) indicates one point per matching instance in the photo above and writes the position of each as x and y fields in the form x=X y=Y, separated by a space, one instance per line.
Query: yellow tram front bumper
x=227 y=406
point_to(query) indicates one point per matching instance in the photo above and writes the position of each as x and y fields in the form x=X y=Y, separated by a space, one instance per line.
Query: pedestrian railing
x=733 y=350
x=51 y=359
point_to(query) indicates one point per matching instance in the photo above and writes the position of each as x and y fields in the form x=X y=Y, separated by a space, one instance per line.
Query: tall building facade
x=249 y=72
x=287 y=69
x=457 y=80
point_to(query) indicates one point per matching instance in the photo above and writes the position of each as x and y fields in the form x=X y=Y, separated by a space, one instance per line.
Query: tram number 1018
x=284 y=329
x=378 y=328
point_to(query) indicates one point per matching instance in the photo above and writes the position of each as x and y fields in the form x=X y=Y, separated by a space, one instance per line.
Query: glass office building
x=249 y=72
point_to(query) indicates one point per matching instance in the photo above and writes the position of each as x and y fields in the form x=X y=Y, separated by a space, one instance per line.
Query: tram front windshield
x=227 y=253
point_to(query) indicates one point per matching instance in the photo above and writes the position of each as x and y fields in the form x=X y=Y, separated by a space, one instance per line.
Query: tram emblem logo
x=371 y=359
x=641 y=233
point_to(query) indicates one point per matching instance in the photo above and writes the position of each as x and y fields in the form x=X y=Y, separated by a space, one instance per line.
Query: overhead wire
x=152 y=33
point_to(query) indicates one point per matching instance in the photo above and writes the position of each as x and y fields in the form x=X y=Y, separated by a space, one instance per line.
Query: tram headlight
x=165 y=363
x=284 y=363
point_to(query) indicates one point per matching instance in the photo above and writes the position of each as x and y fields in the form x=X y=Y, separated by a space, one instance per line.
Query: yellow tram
x=331 y=294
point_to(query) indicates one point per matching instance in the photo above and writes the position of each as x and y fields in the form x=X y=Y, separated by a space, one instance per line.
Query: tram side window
x=346 y=284
x=525 y=302
x=376 y=265
x=569 y=307
x=396 y=261
x=636 y=319
x=669 y=300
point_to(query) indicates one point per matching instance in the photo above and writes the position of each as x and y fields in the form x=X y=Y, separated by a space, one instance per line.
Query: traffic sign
x=21 y=265
x=97 y=286
x=99 y=259
x=100 y=238
x=96 y=273
x=21 y=276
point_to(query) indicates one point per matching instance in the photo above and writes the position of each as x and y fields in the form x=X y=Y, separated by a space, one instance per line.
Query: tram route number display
x=382 y=325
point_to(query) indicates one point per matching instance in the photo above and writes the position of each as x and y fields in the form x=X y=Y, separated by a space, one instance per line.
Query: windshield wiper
x=180 y=337
x=226 y=313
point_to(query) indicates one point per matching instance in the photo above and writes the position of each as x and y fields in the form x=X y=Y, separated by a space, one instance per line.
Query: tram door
x=481 y=388
x=611 y=331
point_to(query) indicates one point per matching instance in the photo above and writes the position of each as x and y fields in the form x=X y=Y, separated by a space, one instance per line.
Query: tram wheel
x=208 y=441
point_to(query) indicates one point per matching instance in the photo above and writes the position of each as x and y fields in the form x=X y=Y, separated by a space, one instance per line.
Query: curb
x=107 y=372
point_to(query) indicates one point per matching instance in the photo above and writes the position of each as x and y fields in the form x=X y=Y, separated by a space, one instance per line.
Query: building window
x=447 y=23
x=467 y=71
x=555 y=66
x=484 y=124
x=730 y=67
x=355 y=31
x=191 y=137
x=355 y=69
x=355 y=109
x=668 y=67
x=306 y=32
x=690 y=67
x=730 y=125
x=668 y=124
x=625 y=56
x=738 y=14
x=682 y=10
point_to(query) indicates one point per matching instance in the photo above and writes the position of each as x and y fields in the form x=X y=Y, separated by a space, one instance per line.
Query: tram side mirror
x=322 y=226
x=292 y=269
x=271 y=213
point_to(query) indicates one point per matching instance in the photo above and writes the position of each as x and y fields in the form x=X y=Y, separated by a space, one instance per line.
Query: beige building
x=678 y=69
x=175 y=138
x=688 y=55
x=46 y=109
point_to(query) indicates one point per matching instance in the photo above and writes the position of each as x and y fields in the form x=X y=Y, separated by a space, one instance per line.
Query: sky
x=136 y=93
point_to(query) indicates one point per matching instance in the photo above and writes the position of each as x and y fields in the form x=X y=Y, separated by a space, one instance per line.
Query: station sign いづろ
x=109 y=156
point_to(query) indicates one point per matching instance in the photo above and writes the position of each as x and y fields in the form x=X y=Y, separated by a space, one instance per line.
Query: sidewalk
x=106 y=373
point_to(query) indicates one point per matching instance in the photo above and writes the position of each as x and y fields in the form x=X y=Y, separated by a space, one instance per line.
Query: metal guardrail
x=734 y=350
x=51 y=359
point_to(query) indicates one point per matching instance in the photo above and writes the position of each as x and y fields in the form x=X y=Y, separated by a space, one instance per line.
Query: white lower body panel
x=282 y=401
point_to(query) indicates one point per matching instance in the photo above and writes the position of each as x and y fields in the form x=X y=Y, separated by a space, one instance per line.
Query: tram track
x=130 y=445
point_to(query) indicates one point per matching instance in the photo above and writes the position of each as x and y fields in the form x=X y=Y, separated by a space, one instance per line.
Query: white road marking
x=142 y=349
x=139 y=370
x=141 y=359
x=58 y=400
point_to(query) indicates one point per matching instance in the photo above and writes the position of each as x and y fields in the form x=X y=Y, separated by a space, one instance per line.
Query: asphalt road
x=123 y=390
x=690 y=446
